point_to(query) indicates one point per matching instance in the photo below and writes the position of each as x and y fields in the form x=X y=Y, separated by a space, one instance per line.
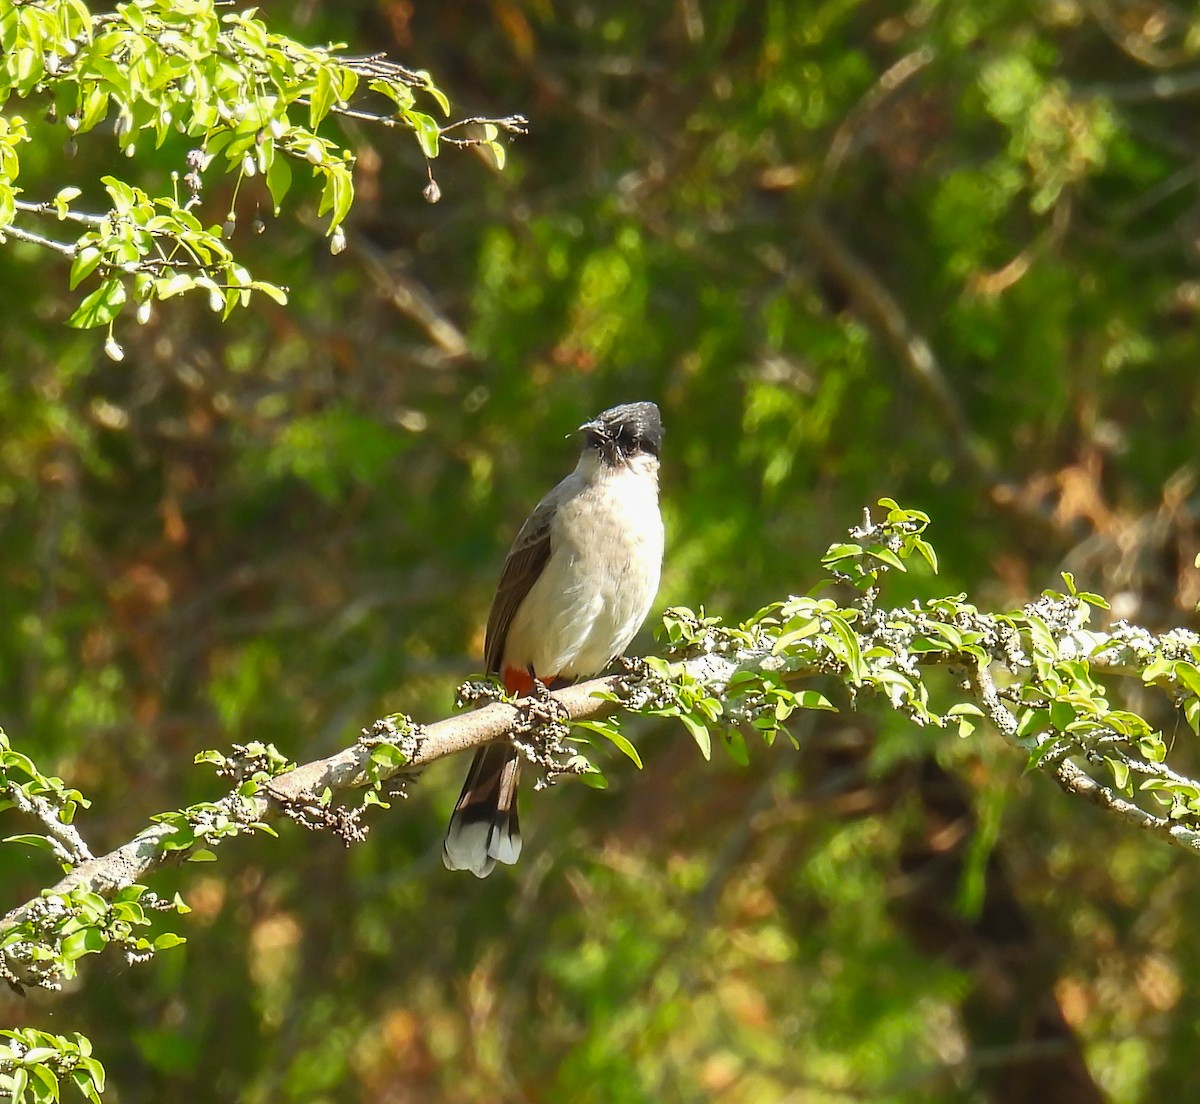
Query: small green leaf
x=926 y=550
x=699 y=733
x=388 y=755
x=85 y=941
x=271 y=291
x=100 y=307
x=180 y=839
x=37 y=1055
x=279 y=178
x=1044 y=750
x=797 y=628
x=31 y=840
x=811 y=699
x=427 y=130
x=838 y=552
x=167 y=940
x=1061 y=715
x=887 y=556
x=1033 y=721
x=735 y=744
x=852 y=652
x=85 y=1084
x=321 y=99
x=84 y=265
x=622 y=745
x=174 y=285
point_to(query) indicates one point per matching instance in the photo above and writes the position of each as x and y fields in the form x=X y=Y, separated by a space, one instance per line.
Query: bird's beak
x=591 y=427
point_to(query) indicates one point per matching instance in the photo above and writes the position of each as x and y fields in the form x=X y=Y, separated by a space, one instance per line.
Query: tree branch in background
x=884 y=314
x=412 y=299
x=912 y=350
x=851 y=127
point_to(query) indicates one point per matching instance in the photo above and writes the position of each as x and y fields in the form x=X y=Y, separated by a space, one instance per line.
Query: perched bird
x=575 y=589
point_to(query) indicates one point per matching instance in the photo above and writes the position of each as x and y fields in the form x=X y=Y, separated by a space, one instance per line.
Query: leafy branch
x=1033 y=673
x=248 y=100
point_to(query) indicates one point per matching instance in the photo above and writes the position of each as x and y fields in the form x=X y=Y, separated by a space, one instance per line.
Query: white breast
x=606 y=549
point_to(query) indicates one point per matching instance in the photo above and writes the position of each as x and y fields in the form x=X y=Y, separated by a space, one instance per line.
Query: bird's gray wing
x=524 y=565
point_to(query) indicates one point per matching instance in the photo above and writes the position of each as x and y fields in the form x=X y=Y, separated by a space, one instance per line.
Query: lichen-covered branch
x=1033 y=673
x=1074 y=779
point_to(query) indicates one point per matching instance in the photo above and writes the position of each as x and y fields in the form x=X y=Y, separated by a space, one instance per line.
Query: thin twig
x=1165 y=86
x=47 y=208
x=65 y=248
x=1076 y=781
x=514 y=124
x=68 y=843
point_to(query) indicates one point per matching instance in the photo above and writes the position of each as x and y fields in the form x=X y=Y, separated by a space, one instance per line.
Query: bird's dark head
x=623 y=432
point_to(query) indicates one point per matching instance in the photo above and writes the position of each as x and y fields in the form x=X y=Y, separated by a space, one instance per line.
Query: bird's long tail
x=483 y=828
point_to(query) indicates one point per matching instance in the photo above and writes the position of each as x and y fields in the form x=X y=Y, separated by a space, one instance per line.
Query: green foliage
x=1060 y=139
x=251 y=100
x=732 y=681
x=35 y=1064
x=44 y=944
x=880 y=547
x=21 y=782
x=335 y=451
x=1013 y=192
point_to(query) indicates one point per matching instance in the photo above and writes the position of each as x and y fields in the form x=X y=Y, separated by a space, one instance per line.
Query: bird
x=575 y=588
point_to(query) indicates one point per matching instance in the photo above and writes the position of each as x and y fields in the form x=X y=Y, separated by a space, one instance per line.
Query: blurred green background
x=947 y=251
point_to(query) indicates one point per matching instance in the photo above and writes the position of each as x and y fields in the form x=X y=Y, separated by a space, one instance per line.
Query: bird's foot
x=541 y=732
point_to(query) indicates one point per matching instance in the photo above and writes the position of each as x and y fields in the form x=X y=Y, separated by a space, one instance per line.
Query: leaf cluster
x=34 y=1063
x=250 y=99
